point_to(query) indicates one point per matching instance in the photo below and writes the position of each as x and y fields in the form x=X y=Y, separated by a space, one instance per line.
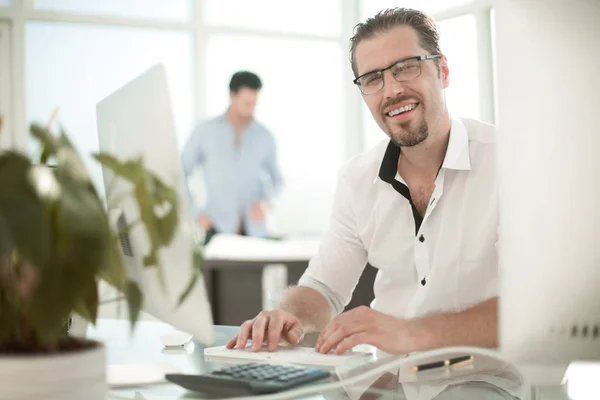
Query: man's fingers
x=274 y=332
x=269 y=327
x=351 y=341
x=340 y=320
x=335 y=337
x=294 y=334
x=244 y=334
x=232 y=342
x=258 y=332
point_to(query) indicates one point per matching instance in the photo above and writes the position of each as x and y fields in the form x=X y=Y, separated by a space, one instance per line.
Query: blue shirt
x=235 y=176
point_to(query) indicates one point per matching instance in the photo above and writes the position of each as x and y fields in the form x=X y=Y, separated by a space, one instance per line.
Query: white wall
x=5 y=91
x=549 y=117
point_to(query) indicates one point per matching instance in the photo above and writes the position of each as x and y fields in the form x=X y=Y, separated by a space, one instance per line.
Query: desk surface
x=143 y=346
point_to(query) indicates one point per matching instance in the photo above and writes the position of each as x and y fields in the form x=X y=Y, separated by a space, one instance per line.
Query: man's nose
x=391 y=87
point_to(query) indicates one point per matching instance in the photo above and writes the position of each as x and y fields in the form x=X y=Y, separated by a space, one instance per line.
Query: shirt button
x=424 y=281
x=421 y=238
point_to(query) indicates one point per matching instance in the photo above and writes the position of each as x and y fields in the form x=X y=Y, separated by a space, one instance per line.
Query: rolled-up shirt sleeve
x=342 y=257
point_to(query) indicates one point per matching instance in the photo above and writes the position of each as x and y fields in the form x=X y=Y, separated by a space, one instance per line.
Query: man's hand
x=205 y=222
x=268 y=327
x=364 y=325
x=258 y=211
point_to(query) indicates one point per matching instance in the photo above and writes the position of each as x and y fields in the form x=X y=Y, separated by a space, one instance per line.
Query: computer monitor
x=136 y=121
x=549 y=122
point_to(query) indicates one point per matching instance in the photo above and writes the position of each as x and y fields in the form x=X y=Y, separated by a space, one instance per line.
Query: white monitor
x=136 y=121
x=549 y=119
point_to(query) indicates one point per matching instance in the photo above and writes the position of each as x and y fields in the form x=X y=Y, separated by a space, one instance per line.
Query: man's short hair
x=385 y=20
x=244 y=79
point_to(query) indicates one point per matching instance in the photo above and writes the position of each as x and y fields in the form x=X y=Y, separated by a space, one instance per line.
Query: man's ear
x=444 y=72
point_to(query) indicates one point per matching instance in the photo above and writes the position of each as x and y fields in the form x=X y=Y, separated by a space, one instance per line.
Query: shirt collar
x=457 y=154
x=223 y=118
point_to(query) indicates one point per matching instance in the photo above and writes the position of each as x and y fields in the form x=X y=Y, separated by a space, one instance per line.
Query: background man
x=239 y=160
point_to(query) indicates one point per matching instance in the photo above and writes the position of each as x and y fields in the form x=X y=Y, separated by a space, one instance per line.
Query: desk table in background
x=233 y=273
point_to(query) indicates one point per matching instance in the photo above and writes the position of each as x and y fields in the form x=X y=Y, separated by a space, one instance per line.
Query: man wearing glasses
x=420 y=207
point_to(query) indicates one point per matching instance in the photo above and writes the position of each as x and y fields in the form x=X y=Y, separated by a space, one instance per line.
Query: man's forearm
x=476 y=326
x=309 y=306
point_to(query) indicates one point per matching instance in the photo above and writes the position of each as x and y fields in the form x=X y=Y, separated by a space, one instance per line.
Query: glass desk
x=143 y=347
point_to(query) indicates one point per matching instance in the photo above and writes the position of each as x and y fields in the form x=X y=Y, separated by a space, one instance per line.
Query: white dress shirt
x=445 y=261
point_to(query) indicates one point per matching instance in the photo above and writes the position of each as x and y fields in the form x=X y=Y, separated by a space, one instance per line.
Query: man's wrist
x=421 y=336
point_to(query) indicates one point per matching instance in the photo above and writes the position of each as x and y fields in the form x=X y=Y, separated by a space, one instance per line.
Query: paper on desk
x=135 y=375
x=289 y=355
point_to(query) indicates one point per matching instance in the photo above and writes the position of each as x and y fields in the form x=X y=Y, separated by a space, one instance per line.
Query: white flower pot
x=74 y=375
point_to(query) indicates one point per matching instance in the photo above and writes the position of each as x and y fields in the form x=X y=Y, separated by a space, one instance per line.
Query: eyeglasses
x=402 y=71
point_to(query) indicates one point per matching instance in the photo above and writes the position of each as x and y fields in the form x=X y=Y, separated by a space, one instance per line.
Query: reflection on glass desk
x=143 y=348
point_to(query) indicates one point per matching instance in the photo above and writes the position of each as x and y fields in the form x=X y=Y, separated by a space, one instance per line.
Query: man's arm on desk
x=302 y=310
x=475 y=326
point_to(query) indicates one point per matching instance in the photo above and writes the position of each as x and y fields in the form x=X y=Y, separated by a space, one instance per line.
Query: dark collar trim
x=389 y=164
x=387 y=173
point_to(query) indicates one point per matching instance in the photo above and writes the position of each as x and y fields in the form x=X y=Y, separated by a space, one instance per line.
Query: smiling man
x=420 y=207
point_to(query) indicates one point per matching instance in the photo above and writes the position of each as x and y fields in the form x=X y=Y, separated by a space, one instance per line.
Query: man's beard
x=404 y=137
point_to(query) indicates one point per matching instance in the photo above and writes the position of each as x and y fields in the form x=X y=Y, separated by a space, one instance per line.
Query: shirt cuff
x=335 y=301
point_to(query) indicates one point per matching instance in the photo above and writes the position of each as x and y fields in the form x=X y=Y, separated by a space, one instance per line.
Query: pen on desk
x=452 y=362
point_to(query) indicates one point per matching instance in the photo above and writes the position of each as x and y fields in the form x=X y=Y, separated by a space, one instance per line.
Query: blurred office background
x=72 y=53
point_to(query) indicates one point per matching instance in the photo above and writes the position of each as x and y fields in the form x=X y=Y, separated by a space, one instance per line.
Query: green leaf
x=87 y=305
x=196 y=273
x=152 y=196
x=134 y=301
x=151 y=259
x=25 y=214
x=47 y=141
x=113 y=271
x=188 y=289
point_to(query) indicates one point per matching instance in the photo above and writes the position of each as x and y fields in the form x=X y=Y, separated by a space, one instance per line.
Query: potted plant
x=55 y=245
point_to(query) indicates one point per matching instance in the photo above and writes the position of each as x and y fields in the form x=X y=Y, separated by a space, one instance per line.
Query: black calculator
x=250 y=378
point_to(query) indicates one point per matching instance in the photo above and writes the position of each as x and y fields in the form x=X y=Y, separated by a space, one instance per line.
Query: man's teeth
x=402 y=109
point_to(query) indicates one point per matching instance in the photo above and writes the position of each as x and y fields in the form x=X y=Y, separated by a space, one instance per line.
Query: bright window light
x=371 y=7
x=61 y=71
x=176 y=10
x=315 y=17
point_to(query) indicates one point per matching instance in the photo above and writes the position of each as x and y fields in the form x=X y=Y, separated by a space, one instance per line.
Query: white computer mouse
x=175 y=339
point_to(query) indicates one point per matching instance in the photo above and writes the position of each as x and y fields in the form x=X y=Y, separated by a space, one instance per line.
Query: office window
x=6 y=130
x=315 y=17
x=73 y=66
x=176 y=10
x=301 y=103
x=458 y=41
x=372 y=7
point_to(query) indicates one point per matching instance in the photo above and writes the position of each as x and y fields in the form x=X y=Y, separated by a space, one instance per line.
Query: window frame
x=6 y=139
x=23 y=11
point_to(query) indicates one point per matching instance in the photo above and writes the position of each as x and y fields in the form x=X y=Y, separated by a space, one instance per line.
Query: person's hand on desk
x=268 y=327
x=258 y=211
x=363 y=325
x=205 y=222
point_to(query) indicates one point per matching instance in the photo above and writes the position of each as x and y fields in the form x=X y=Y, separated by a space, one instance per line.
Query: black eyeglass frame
x=381 y=71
